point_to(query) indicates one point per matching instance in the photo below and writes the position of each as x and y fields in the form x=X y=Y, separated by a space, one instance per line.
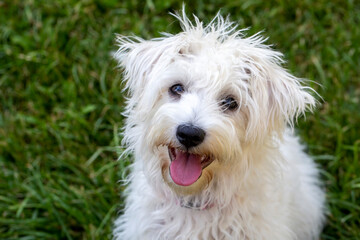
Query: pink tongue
x=185 y=169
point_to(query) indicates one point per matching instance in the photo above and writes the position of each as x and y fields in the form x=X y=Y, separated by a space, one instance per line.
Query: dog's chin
x=186 y=172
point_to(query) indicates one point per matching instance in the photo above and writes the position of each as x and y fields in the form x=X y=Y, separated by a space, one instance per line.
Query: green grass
x=61 y=99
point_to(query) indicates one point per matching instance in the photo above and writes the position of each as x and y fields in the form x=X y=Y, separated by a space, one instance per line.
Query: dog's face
x=197 y=119
x=200 y=99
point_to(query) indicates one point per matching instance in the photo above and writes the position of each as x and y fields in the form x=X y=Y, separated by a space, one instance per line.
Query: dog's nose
x=189 y=135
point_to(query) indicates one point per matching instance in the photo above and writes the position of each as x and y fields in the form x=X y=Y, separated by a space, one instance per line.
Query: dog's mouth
x=185 y=167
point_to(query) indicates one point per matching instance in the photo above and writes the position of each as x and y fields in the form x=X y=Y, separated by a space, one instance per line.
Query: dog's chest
x=192 y=222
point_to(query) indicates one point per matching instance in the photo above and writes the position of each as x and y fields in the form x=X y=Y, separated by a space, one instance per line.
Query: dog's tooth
x=172 y=153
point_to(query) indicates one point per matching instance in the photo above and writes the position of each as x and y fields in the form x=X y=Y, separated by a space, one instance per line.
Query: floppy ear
x=288 y=98
x=278 y=98
x=138 y=57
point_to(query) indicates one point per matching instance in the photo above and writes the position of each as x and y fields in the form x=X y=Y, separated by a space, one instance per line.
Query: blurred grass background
x=60 y=104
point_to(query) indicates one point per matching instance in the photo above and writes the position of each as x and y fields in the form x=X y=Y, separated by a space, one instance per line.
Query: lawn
x=61 y=104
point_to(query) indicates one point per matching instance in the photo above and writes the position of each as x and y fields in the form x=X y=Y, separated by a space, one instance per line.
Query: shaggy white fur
x=240 y=173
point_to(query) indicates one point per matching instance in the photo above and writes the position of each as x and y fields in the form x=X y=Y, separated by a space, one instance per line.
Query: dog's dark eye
x=229 y=103
x=176 y=90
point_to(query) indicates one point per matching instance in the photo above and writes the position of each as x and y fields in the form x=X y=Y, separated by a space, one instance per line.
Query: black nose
x=189 y=135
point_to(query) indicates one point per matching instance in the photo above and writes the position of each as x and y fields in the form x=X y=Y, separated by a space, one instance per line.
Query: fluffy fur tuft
x=259 y=183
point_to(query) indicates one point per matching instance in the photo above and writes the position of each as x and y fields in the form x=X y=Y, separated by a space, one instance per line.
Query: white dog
x=207 y=123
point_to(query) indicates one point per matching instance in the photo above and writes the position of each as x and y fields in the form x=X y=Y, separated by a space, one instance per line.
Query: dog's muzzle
x=186 y=169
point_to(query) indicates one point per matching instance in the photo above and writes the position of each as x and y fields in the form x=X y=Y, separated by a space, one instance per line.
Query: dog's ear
x=138 y=58
x=278 y=97
x=287 y=97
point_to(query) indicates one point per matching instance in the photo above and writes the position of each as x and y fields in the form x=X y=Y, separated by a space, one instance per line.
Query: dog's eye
x=229 y=103
x=176 y=90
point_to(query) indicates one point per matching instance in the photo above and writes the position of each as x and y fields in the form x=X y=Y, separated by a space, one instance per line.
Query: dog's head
x=199 y=100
